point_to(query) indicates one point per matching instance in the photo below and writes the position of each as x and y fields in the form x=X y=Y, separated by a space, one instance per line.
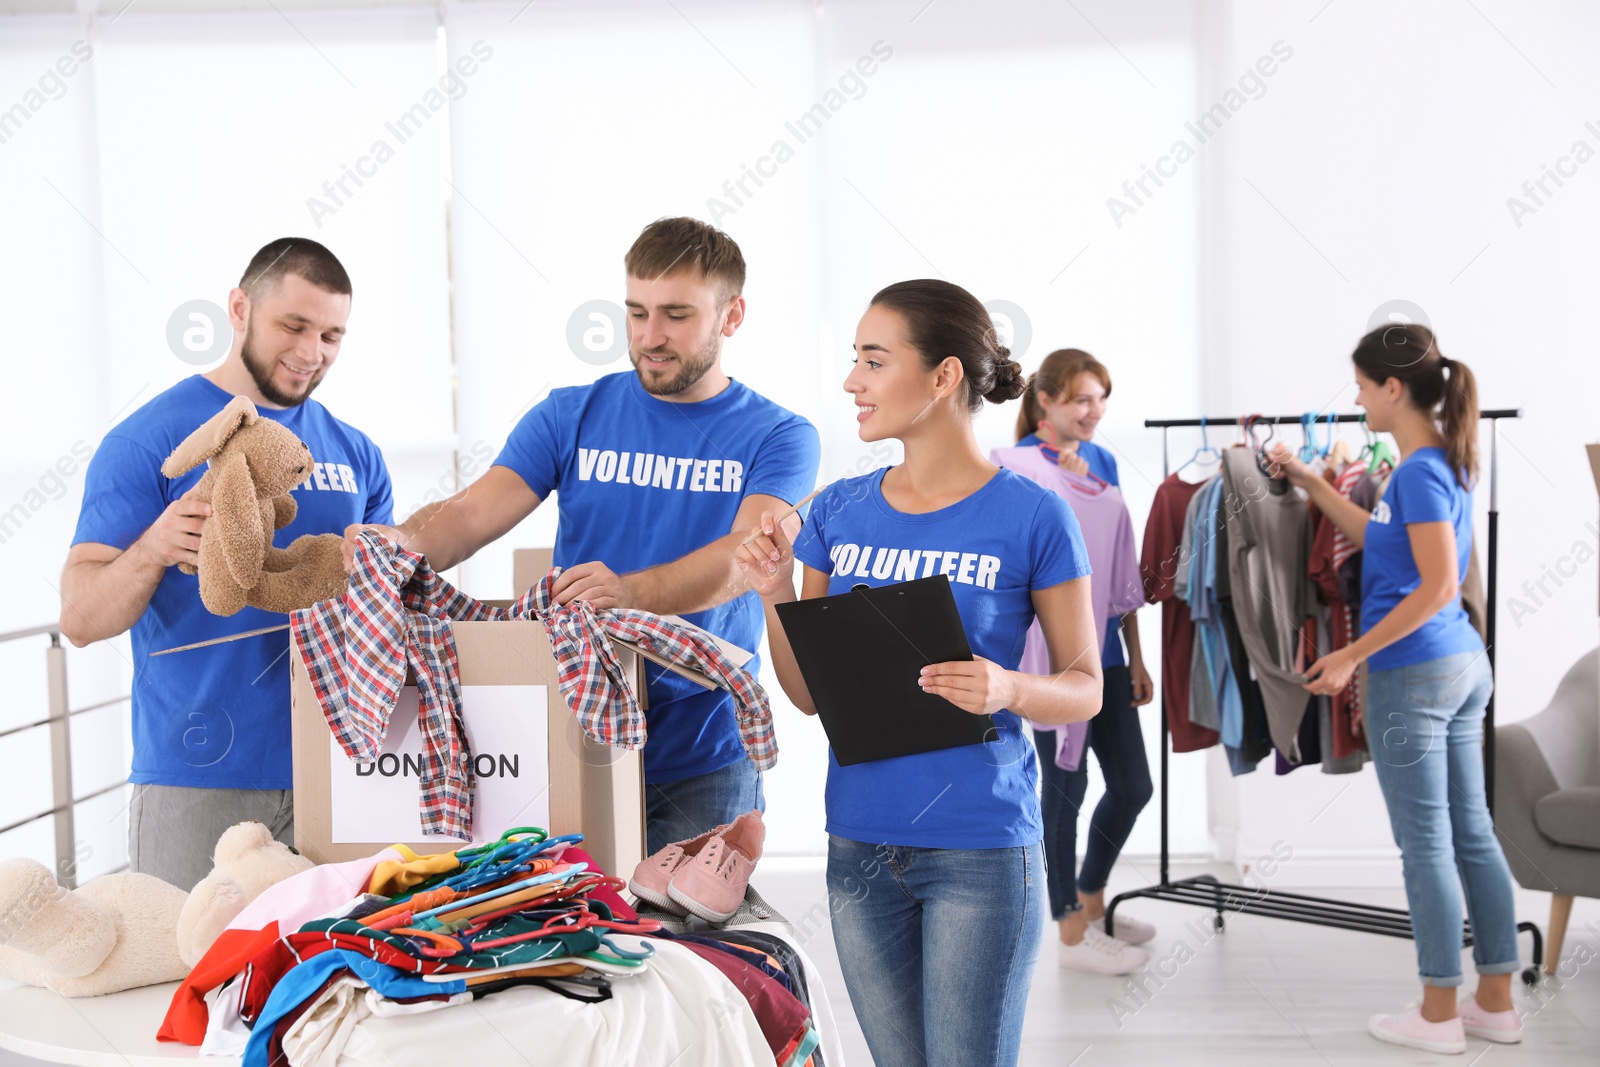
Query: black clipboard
x=861 y=654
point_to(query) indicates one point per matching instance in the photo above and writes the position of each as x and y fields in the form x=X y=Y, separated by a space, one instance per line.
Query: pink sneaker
x=1503 y=1027
x=654 y=874
x=712 y=884
x=1413 y=1031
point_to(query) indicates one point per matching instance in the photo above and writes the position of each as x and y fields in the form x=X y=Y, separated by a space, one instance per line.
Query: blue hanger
x=1308 y=449
x=1205 y=449
x=472 y=853
x=424 y=920
x=501 y=861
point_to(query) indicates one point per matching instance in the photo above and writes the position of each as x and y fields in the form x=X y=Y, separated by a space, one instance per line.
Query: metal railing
x=59 y=720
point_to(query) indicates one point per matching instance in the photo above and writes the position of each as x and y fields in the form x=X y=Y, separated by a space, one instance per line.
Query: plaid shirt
x=397 y=612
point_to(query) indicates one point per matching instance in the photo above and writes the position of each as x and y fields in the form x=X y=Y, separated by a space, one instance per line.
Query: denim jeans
x=937 y=948
x=1118 y=743
x=1425 y=729
x=677 y=811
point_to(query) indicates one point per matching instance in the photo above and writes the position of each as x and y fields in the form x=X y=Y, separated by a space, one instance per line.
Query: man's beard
x=690 y=371
x=262 y=369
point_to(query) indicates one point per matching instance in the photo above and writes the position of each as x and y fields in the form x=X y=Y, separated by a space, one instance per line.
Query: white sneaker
x=1501 y=1027
x=1099 y=954
x=1128 y=930
x=1410 y=1029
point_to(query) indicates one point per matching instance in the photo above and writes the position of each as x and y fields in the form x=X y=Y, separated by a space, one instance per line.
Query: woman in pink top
x=1064 y=402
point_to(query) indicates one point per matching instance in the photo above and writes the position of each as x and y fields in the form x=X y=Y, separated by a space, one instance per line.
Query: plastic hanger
x=1308 y=445
x=578 y=917
x=560 y=874
x=438 y=946
x=1339 y=454
x=547 y=903
x=1048 y=443
x=1248 y=426
x=1205 y=454
x=1259 y=448
x=502 y=861
x=1376 y=448
x=473 y=853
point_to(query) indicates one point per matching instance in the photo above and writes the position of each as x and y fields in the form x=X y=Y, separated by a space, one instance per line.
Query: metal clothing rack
x=1205 y=890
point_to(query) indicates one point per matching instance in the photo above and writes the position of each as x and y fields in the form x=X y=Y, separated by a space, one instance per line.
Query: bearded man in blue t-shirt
x=658 y=474
x=211 y=737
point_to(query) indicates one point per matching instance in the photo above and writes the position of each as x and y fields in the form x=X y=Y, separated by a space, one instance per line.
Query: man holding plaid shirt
x=659 y=474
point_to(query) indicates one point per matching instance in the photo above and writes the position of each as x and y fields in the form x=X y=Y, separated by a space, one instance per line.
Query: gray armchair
x=1547 y=797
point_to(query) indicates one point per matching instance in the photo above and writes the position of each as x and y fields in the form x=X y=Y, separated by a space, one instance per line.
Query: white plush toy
x=127 y=930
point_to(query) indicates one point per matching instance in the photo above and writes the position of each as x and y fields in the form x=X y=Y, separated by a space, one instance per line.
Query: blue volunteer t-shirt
x=1103 y=465
x=642 y=481
x=218 y=716
x=1422 y=489
x=996 y=546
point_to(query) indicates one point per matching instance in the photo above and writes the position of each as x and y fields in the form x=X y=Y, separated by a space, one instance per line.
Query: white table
x=116 y=1030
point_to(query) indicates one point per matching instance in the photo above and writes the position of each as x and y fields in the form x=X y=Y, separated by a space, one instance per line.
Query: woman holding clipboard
x=935 y=866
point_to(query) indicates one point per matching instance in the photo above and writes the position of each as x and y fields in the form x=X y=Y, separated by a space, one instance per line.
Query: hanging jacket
x=397 y=613
x=1162 y=564
x=1268 y=542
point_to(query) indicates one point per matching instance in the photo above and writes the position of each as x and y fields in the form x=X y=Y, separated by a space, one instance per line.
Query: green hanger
x=1377 y=448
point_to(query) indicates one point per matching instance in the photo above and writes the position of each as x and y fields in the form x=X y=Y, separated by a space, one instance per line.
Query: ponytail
x=1437 y=385
x=1459 y=415
x=1029 y=418
x=1055 y=376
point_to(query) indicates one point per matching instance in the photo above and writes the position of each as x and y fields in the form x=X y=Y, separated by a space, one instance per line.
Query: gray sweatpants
x=173 y=830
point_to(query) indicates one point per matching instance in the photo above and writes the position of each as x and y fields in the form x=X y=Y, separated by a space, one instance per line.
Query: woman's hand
x=1331 y=673
x=767 y=562
x=1071 y=461
x=1283 y=459
x=981 y=687
x=1143 y=689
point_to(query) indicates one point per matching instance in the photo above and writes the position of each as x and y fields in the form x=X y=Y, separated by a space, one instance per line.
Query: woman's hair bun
x=1009 y=381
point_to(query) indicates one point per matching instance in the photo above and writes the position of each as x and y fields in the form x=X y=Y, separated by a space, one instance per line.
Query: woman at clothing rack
x=1428 y=683
x=1061 y=409
x=935 y=869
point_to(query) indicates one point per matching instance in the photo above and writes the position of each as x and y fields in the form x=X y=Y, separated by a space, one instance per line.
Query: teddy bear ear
x=211 y=437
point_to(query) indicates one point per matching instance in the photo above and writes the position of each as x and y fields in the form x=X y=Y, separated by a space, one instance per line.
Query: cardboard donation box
x=534 y=766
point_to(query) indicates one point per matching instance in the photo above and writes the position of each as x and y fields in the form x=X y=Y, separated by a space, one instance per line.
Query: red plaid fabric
x=397 y=613
x=598 y=693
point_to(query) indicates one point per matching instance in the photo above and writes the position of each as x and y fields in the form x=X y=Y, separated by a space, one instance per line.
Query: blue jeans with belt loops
x=937 y=948
x=1425 y=730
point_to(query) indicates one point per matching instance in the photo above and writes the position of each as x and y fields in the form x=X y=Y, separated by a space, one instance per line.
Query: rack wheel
x=1530 y=976
x=1220 y=924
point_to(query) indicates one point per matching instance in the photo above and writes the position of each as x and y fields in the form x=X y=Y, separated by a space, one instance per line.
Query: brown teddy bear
x=254 y=464
x=125 y=930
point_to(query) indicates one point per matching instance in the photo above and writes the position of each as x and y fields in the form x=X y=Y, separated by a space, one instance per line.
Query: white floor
x=1263 y=992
